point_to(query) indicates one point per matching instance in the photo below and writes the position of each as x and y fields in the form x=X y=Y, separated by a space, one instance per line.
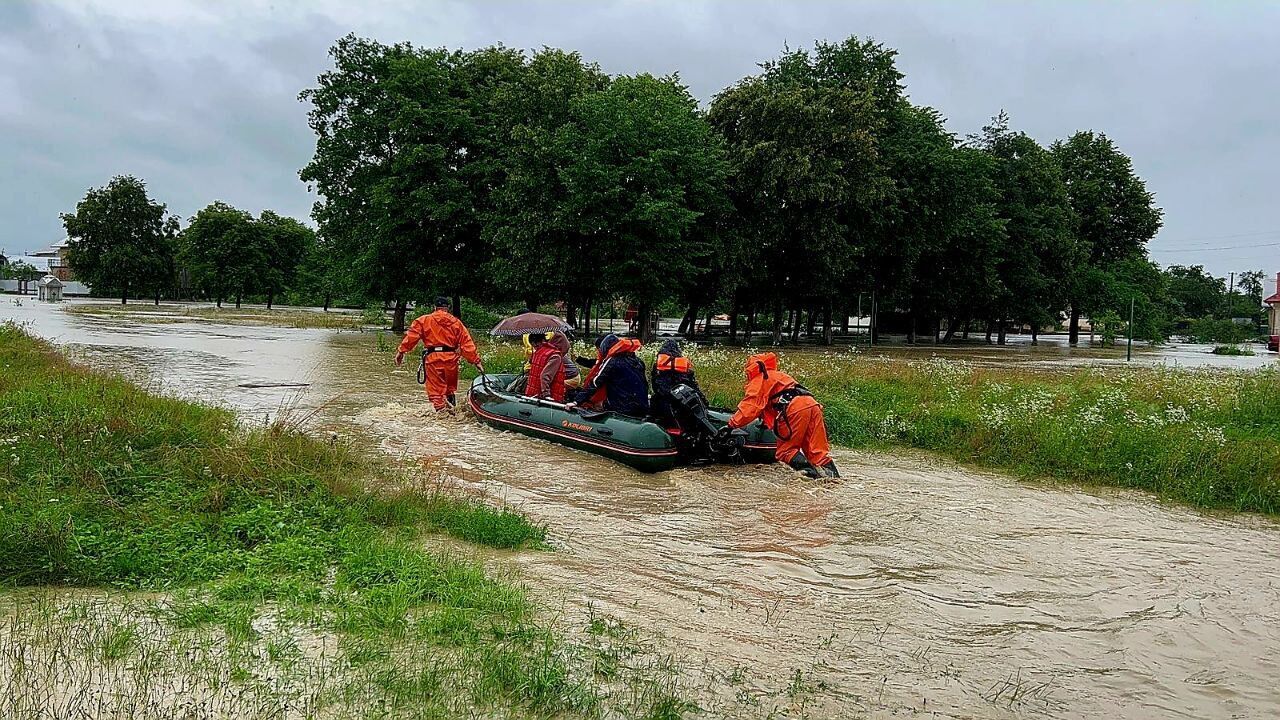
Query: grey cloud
x=200 y=99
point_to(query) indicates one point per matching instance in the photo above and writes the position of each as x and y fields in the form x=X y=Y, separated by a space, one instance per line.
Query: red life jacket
x=537 y=362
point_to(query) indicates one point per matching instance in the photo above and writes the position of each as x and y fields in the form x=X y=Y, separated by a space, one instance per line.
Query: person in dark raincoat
x=670 y=369
x=616 y=381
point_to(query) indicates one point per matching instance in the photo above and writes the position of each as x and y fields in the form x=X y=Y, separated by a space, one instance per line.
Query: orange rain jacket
x=764 y=381
x=441 y=329
x=806 y=429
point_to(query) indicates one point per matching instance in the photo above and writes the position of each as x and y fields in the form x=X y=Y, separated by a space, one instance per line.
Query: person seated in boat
x=670 y=370
x=572 y=376
x=616 y=381
x=546 y=367
x=791 y=412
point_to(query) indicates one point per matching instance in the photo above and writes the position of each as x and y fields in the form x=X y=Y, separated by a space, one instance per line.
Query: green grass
x=1232 y=350
x=1208 y=437
x=103 y=485
x=280 y=316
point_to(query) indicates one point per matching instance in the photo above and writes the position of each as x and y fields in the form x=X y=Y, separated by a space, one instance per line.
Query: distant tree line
x=804 y=193
x=800 y=193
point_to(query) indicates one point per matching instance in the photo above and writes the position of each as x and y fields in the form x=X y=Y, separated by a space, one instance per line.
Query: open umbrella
x=530 y=322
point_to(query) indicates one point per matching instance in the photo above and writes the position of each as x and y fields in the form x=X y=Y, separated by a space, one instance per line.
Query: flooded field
x=912 y=587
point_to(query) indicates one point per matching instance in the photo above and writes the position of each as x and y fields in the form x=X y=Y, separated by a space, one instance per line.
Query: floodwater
x=912 y=587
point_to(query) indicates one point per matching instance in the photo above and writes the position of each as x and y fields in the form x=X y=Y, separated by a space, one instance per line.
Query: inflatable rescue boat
x=639 y=443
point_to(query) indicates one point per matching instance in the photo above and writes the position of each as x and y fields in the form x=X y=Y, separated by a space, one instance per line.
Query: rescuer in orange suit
x=444 y=339
x=791 y=412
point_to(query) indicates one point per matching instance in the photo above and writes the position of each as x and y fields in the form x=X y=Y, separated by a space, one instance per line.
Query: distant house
x=50 y=289
x=52 y=261
x=1273 y=309
x=3 y=260
x=56 y=260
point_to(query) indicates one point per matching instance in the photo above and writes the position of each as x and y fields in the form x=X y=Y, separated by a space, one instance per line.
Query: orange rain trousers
x=441 y=329
x=803 y=429
x=442 y=382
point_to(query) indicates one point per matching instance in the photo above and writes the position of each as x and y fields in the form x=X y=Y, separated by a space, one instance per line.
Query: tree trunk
x=988 y=332
x=911 y=327
x=237 y=301
x=271 y=296
x=965 y=334
x=937 y=329
x=1035 y=334
x=327 y=299
x=157 y=297
x=124 y=294
x=951 y=330
x=646 y=322
x=733 y=323
x=795 y=326
x=457 y=306
x=827 y=338
x=219 y=302
x=751 y=326
x=585 y=325
x=844 y=320
x=1073 y=333
x=397 y=316
x=811 y=321
x=688 y=322
x=706 y=329
x=1000 y=335
x=777 y=322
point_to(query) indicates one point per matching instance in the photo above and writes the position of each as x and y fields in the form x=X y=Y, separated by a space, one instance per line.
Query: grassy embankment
x=1208 y=437
x=229 y=314
x=253 y=573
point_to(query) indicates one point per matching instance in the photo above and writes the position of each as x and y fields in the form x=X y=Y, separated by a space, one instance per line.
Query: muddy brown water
x=912 y=587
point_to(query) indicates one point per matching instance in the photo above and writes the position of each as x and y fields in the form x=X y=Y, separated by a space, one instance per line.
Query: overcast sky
x=200 y=98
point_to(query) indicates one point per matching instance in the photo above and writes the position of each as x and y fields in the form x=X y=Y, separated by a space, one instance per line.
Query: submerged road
x=912 y=587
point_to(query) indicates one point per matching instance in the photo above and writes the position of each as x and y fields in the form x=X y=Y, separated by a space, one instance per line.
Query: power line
x=1226 y=237
x=1212 y=249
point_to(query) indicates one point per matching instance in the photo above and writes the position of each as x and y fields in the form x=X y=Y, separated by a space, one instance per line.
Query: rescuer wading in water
x=445 y=340
x=791 y=412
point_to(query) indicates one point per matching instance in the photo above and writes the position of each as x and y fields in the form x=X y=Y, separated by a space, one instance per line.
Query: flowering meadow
x=1209 y=437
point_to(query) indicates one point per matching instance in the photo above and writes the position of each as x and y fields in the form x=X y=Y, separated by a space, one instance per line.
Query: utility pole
x=872 y=321
x=1128 y=355
x=1231 y=290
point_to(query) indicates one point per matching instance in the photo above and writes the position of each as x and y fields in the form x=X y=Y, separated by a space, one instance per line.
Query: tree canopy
x=120 y=240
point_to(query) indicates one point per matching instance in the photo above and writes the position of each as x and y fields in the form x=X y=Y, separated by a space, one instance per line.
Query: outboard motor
x=722 y=444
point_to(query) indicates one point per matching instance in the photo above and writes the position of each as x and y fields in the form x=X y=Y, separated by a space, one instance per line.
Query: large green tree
x=285 y=243
x=389 y=142
x=223 y=249
x=805 y=164
x=541 y=252
x=121 y=241
x=1039 y=248
x=643 y=188
x=1115 y=214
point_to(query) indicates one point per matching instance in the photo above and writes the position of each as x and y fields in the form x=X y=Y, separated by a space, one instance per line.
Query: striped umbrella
x=531 y=322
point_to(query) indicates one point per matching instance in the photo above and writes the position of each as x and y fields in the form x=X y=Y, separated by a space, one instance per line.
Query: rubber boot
x=800 y=463
x=830 y=469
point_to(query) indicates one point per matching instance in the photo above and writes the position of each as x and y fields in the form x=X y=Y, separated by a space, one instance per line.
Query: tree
x=802 y=140
x=1039 y=248
x=22 y=272
x=388 y=147
x=646 y=172
x=285 y=243
x=1115 y=214
x=223 y=248
x=539 y=249
x=120 y=239
x=1194 y=292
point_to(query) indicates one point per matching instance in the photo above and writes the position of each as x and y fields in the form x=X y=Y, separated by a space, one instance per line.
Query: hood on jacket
x=672 y=348
x=606 y=342
x=761 y=364
x=560 y=341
